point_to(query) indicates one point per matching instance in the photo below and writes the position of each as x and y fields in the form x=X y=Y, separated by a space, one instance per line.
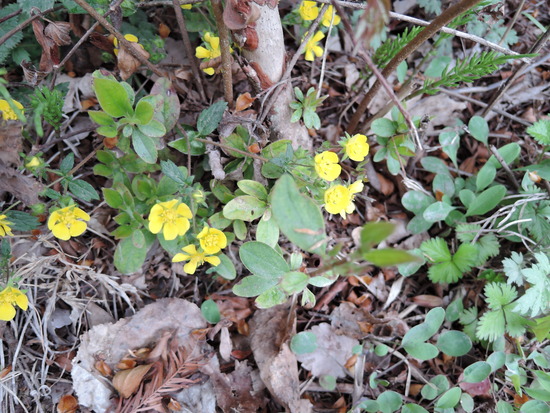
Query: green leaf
x=83 y=190
x=436 y=386
x=389 y=401
x=444 y=272
x=485 y=176
x=437 y=211
x=144 y=112
x=416 y=201
x=262 y=260
x=449 y=399
x=384 y=127
x=491 y=325
x=220 y=191
x=413 y=408
x=374 y=233
x=496 y=360
x=225 y=269
x=467 y=197
x=540 y=130
x=479 y=128
x=210 y=311
x=294 y=282
x=303 y=343
x=465 y=257
x=486 y=201
x=327 y=382
x=195 y=147
x=427 y=329
x=245 y=208
x=253 y=286
x=422 y=351
x=450 y=142
x=297 y=216
x=240 y=229
x=21 y=221
x=509 y=154
x=454 y=343
x=534 y=406
x=270 y=298
x=435 y=165
x=267 y=232
x=444 y=184
x=253 y=188
x=112 y=97
x=107 y=131
x=129 y=259
x=153 y=129
x=171 y=170
x=101 y=118
x=388 y=257
x=67 y=163
x=144 y=147
x=165 y=102
x=436 y=250
x=467 y=402
x=319 y=281
x=210 y=118
x=477 y=372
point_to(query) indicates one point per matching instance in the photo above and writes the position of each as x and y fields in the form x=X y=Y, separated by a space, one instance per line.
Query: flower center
x=169 y=216
x=211 y=240
x=68 y=218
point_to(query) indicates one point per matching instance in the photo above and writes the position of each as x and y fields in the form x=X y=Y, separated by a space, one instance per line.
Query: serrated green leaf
x=67 y=163
x=172 y=171
x=436 y=250
x=21 y=221
x=210 y=118
x=83 y=190
x=540 y=130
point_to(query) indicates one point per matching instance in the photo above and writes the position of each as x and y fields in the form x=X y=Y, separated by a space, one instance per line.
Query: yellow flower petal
x=209 y=71
x=190 y=267
x=61 y=231
x=202 y=53
x=155 y=225
x=356 y=187
x=7 y=312
x=213 y=260
x=170 y=231
x=22 y=301
x=184 y=211
x=190 y=249
x=180 y=257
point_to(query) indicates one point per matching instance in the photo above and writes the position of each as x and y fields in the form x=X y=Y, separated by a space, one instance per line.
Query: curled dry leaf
x=126 y=364
x=126 y=382
x=103 y=368
x=244 y=101
x=59 y=33
x=426 y=300
x=67 y=404
x=127 y=63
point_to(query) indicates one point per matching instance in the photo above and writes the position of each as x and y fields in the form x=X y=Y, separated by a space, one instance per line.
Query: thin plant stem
x=188 y=48
x=440 y=21
x=223 y=32
x=325 y=54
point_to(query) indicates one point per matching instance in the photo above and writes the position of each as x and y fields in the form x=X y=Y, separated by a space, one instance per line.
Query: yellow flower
x=5 y=226
x=326 y=165
x=173 y=215
x=212 y=240
x=312 y=48
x=339 y=198
x=211 y=51
x=10 y=297
x=357 y=147
x=33 y=162
x=7 y=111
x=327 y=17
x=66 y=222
x=186 y=6
x=195 y=258
x=130 y=37
x=308 y=10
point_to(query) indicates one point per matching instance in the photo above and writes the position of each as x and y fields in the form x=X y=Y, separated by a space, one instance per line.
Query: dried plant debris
x=111 y=342
x=277 y=363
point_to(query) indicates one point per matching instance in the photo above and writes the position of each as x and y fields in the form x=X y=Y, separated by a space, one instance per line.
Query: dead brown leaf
x=22 y=187
x=127 y=63
x=59 y=33
x=10 y=142
x=244 y=101
x=126 y=382
x=67 y=404
x=277 y=363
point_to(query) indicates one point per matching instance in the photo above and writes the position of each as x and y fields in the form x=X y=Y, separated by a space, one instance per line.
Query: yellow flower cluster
x=211 y=241
x=309 y=11
x=9 y=298
x=211 y=51
x=170 y=217
x=68 y=222
x=7 y=112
